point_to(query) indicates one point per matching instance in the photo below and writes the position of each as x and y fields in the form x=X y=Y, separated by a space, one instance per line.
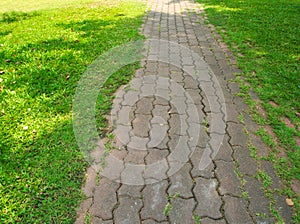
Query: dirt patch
x=296 y=186
x=273 y=104
x=288 y=123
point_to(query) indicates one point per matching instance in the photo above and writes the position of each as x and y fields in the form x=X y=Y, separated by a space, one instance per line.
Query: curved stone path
x=179 y=152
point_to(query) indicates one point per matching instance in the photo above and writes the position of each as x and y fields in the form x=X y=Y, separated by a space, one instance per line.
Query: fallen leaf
x=67 y=77
x=289 y=202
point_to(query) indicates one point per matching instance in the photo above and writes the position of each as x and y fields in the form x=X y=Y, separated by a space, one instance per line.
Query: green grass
x=265 y=38
x=43 y=52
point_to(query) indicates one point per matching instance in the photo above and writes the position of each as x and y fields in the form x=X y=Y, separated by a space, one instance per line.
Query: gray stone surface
x=155 y=127
x=236 y=211
x=209 y=201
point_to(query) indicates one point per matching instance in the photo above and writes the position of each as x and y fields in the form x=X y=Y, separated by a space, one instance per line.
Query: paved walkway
x=179 y=152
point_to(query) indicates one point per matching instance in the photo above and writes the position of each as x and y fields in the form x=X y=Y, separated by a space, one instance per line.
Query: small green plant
x=168 y=208
x=87 y=219
x=197 y=219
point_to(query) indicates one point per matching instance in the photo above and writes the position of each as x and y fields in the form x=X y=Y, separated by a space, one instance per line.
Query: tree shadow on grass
x=41 y=179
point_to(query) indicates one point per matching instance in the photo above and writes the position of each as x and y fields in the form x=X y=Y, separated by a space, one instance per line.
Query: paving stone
x=268 y=168
x=160 y=101
x=130 y=191
x=229 y=182
x=231 y=113
x=151 y=221
x=105 y=199
x=144 y=106
x=155 y=201
x=262 y=149
x=236 y=134
x=155 y=155
x=209 y=202
x=141 y=125
x=225 y=151
x=96 y=220
x=182 y=210
x=259 y=204
x=240 y=105
x=208 y=172
x=235 y=210
x=284 y=210
x=246 y=164
x=135 y=156
x=161 y=111
x=127 y=211
x=212 y=221
x=181 y=182
x=251 y=125
x=90 y=183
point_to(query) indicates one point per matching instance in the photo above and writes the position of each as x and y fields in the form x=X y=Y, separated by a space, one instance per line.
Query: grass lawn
x=45 y=46
x=265 y=37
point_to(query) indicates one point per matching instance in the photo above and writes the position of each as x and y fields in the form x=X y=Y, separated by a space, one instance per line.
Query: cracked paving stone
x=105 y=199
x=235 y=210
x=182 y=210
x=155 y=201
x=181 y=182
x=127 y=211
x=209 y=202
x=229 y=182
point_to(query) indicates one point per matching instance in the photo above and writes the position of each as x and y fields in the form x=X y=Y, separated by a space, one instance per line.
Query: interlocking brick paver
x=182 y=210
x=209 y=201
x=212 y=221
x=235 y=210
x=106 y=191
x=181 y=182
x=128 y=210
x=247 y=165
x=229 y=182
x=237 y=134
x=174 y=141
x=258 y=202
x=155 y=201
